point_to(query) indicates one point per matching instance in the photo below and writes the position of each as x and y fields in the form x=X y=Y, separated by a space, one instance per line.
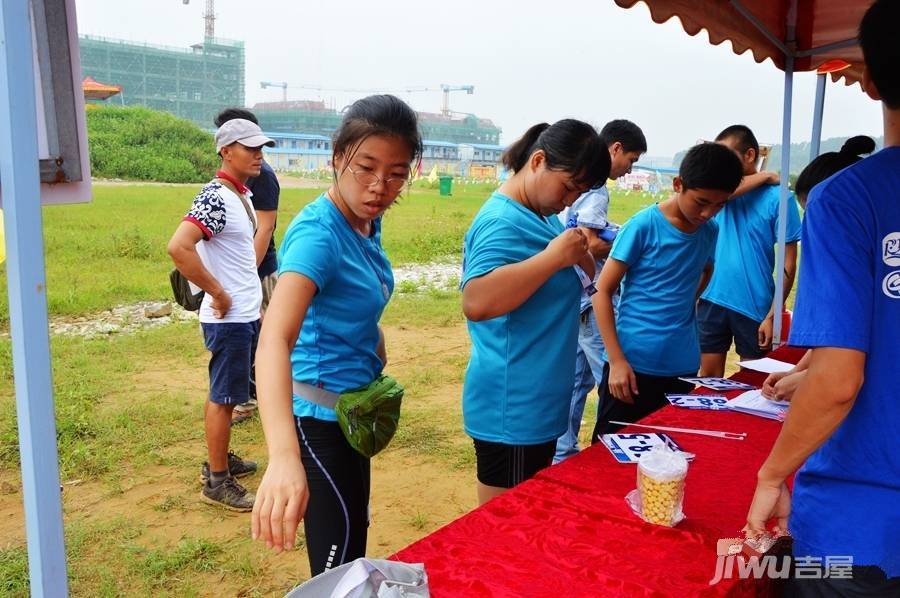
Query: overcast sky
x=529 y=62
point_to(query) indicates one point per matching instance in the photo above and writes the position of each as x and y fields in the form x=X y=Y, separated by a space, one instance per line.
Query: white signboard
x=61 y=128
x=628 y=448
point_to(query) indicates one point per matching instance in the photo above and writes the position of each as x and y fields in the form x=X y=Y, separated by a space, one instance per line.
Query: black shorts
x=719 y=325
x=505 y=465
x=651 y=396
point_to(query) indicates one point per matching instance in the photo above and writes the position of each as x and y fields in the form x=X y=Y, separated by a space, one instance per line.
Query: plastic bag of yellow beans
x=661 y=474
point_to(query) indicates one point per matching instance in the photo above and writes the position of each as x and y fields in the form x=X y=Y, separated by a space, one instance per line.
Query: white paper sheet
x=754 y=403
x=719 y=384
x=766 y=365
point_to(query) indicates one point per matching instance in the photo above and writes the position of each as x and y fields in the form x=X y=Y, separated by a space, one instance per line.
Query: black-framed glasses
x=367 y=179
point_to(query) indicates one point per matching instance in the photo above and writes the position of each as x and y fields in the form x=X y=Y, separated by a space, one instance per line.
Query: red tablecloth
x=569 y=532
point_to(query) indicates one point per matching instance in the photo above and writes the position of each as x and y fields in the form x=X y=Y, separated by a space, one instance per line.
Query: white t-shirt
x=227 y=252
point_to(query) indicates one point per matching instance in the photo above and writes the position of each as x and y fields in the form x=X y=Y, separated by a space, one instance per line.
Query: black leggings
x=337 y=516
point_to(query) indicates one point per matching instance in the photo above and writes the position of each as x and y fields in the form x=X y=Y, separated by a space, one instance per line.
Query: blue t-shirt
x=745 y=253
x=265 y=189
x=846 y=498
x=591 y=212
x=522 y=367
x=656 y=324
x=339 y=336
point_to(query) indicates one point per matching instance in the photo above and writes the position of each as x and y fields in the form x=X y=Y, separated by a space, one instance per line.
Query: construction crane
x=282 y=84
x=446 y=89
x=209 y=17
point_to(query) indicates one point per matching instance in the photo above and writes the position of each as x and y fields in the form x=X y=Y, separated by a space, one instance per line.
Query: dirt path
x=124 y=319
x=424 y=480
x=293 y=182
x=415 y=487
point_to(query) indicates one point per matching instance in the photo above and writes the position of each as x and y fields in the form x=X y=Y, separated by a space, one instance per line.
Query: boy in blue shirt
x=738 y=303
x=844 y=419
x=662 y=258
x=626 y=143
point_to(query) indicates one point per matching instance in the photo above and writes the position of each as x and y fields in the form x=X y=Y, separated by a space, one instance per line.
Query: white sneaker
x=248 y=407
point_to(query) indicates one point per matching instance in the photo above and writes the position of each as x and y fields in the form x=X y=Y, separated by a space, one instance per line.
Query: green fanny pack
x=368 y=416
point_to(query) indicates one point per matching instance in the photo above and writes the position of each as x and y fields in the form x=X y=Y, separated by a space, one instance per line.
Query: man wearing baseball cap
x=265 y=193
x=223 y=265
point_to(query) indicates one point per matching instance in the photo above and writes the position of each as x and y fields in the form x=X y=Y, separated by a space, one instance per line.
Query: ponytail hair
x=569 y=145
x=858 y=146
x=516 y=155
x=831 y=163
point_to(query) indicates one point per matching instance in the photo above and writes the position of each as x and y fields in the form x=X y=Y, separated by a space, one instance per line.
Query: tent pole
x=782 y=206
x=28 y=303
x=756 y=23
x=818 y=112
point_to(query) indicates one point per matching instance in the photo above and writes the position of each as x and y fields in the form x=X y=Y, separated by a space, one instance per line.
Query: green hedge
x=146 y=145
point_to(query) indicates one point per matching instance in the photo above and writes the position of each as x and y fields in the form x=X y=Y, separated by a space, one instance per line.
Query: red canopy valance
x=825 y=29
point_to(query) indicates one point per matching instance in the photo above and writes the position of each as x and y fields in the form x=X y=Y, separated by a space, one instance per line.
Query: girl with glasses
x=321 y=334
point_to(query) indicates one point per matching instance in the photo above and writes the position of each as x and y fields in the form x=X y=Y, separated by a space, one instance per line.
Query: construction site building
x=315 y=118
x=304 y=152
x=193 y=83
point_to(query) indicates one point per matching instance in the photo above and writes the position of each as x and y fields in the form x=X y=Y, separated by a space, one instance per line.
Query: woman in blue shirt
x=521 y=298
x=321 y=338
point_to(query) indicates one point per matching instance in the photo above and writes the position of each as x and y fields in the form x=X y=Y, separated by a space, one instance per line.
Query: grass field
x=129 y=406
x=113 y=250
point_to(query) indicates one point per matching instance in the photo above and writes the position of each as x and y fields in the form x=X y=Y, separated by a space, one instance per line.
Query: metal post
x=782 y=206
x=818 y=112
x=790 y=49
x=28 y=303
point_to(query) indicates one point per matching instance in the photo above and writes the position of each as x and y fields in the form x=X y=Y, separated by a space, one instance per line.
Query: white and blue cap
x=243 y=131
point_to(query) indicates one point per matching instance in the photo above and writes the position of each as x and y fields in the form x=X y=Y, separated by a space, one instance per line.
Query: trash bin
x=446 y=185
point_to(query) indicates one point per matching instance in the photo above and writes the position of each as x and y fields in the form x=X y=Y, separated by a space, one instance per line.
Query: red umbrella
x=93 y=90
